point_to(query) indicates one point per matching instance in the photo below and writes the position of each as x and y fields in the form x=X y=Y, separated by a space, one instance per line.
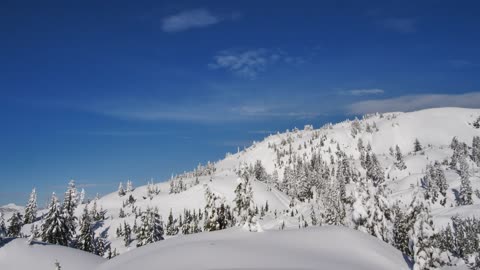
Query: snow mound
x=325 y=247
x=16 y=254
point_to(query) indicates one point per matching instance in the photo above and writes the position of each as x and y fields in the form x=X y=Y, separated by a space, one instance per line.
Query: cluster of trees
x=59 y=224
x=123 y=191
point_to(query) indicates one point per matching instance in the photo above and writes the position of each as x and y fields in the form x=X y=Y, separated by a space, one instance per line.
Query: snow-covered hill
x=312 y=248
x=433 y=128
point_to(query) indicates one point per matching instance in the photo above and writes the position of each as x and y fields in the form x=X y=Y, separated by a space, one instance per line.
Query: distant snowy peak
x=11 y=207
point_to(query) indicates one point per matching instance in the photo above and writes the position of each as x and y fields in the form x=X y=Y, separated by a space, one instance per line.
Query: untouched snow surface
x=311 y=248
x=16 y=254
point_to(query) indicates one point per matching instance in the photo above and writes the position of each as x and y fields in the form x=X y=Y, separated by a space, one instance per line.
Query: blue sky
x=104 y=91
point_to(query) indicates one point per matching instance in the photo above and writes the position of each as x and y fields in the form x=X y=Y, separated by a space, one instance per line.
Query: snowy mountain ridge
x=281 y=168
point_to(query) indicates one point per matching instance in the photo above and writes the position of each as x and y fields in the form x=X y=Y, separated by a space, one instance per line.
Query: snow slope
x=313 y=248
x=16 y=254
x=434 y=128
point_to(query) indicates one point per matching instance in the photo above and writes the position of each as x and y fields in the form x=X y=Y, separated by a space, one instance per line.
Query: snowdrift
x=16 y=254
x=329 y=248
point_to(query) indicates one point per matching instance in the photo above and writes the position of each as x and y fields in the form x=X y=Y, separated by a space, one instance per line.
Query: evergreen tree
x=127 y=234
x=129 y=186
x=375 y=172
x=81 y=197
x=156 y=233
x=86 y=239
x=15 y=226
x=259 y=171
x=3 y=228
x=54 y=228
x=121 y=191
x=465 y=192
x=70 y=203
x=422 y=243
x=417 y=147
x=171 y=225
x=31 y=208
x=476 y=150
x=151 y=229
x=399 y=163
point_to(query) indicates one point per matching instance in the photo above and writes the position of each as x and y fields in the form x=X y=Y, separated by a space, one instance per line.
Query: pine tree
x=70 y=203
x=15 y=226
x=86 y=239
x=417 y=147
x=399 y=163
x=81 y=197
x=127 y=234
x=121 y=191
x=422 y=243
x=375 y=172
x=156 y=233
x=465 y=192
x=3 y=228
x=31 y=208
x=151 y=229
x=54 y=228
x=430 y=185
x=171 y=225
x=476 y=150
x=129 y=186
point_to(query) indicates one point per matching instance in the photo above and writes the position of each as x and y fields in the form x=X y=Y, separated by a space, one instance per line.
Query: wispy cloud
x=189 y=19
x=402 y=25
x=249 y=63
x=363 y=92
x=415 y=102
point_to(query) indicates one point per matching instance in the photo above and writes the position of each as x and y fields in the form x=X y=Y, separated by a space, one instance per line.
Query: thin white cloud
x=185 y=20
x=415 y=102
x=364 y=92
x=402 y=25
x=249 y=63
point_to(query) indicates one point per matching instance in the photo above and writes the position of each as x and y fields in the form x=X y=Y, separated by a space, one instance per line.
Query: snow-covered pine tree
x=3 y=228
x=81 y=197
x=259 y=171
x=360 y=207
x=70 y=203
x=127 y=234
x=244 y=206
x=121 y=191
x=172 y=228
x=465 y=192
x=375 y=171
x=422 y=243
x=417 y=147
x=476 y=150
x=156 y=233
x=151 y=229
x=54 y=227
x=15 y=225
x=399 y=162
x=429 y=183
x=102 y=245
x=129 y=186
x=31 y=208
x=86 y=239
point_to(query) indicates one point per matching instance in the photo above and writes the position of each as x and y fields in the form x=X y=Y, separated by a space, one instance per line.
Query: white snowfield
x=17 y=254
x=316 y=248
x=328 y=247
